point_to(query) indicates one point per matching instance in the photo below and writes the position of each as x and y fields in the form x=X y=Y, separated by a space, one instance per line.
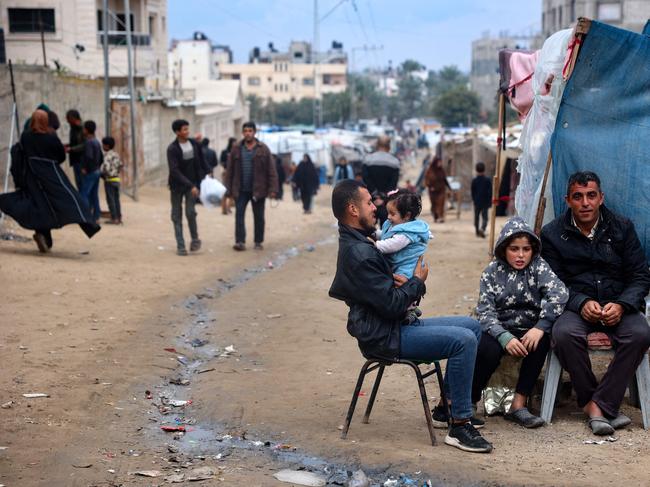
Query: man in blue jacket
x=378 y=302
x=597 y=254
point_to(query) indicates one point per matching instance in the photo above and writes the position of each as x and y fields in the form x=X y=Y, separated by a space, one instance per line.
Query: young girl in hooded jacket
x=520 y=299
x=404 y=238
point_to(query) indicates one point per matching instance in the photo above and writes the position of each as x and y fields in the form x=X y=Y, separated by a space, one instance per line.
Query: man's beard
x=368 y=225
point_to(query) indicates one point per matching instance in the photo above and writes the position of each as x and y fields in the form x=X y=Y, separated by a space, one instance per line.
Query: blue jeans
x=454 y=338
x=90 y=193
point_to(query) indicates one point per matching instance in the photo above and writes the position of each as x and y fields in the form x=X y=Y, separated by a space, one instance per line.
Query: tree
x=411 y=96
x=457 y=106
x=256 y=105
x=410 y=65
x=447 y=78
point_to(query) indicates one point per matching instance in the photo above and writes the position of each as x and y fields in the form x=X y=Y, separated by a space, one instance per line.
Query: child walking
x=110 y=170
x=520 y=299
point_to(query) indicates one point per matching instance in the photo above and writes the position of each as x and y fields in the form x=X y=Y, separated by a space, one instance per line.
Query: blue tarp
x=603 y=124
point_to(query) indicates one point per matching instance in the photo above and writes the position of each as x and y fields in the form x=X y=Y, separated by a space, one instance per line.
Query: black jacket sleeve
x=635 y=269
x=376 y=290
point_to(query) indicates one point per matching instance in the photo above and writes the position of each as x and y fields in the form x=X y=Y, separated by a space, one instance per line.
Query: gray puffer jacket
x=514 y=301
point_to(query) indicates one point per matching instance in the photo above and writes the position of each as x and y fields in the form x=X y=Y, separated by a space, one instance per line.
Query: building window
x=254 y=81
x=286 y=88
x=609 y=12
x=308 y=81
x=23 y=20
x=327 y=79
x=234 y=76
x=275 y=87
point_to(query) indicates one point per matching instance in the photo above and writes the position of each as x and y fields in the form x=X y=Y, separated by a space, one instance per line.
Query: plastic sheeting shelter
x=603 y=124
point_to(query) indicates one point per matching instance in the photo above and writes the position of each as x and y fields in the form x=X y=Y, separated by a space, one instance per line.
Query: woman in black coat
x=306 y=179
x=44 y=198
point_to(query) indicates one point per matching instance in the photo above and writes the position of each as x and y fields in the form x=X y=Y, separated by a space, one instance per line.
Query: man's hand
x=532 y=338
x=591 y=311
x=83 y=171
x=612 y=314
x=516 y=348
x=421 y=269
x=66 y=147
x=273 y=195
x=399 y=280
x=195 y=192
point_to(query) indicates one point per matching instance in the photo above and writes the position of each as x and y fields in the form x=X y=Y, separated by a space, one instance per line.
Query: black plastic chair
x=377 y=363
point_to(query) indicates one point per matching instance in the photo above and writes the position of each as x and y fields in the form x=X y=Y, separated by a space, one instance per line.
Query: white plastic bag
x=548 y=86
x=212 y=191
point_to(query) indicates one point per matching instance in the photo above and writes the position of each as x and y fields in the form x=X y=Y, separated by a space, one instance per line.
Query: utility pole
x=353 y=108
x=318 y=116
x=40 y=23
x=107 y=86
x=129 y=47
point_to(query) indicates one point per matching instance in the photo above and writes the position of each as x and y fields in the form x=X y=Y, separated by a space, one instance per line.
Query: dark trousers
x=90 y=193
x=306 y=197
x=177 y=216
x=112 y=190
x=483 y=213
x=630 y=339
x=488 y=358
x=240 y=214
x=78 y=177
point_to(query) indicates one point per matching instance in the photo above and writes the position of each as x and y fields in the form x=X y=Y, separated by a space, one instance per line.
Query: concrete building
x=193 y=61
x=286 y=76
x=484 y=74
x=72 y=34
x=627 y=14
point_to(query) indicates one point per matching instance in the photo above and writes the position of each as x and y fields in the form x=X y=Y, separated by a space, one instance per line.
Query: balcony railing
x=118 y=38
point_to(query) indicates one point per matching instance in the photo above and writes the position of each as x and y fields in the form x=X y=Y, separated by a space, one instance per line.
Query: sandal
x=620 y=421
x=523 y=417
x=600 y=426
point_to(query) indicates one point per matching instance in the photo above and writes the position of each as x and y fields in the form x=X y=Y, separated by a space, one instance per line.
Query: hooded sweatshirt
x=513 y=301
x=415 y=234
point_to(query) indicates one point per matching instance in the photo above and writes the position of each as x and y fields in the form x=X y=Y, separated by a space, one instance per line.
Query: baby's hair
x=406 y=202
x=501 y=249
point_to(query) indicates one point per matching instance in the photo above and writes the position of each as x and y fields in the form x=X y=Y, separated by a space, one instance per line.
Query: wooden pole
x=541 y=206
x=496 y=180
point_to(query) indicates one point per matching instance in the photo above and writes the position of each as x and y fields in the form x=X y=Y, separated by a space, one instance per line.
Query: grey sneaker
x=195 y=245
x=181 y=251
x=239 y=246
x=467 y=438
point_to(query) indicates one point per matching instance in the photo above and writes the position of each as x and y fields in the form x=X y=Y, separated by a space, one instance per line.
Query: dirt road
x=89 y=323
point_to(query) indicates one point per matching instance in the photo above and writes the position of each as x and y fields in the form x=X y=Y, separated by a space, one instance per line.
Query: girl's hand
x=516 y=348
x=532 y=338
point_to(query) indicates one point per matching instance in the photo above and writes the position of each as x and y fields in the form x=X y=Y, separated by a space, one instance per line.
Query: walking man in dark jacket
x=91 y=161
x=378 y=302
x=75 y=148
x=250 y=176
x=187 y=169
x=597 y=254
x=482 y=198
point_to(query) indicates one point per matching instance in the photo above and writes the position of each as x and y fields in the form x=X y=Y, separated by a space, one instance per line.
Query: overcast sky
x=434 y=32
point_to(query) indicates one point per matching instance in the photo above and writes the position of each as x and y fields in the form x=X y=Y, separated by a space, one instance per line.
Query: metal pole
x=127 y=13
x=107 y=85
x=40 y=23
x=318 y=118
x=13 y=95
x=11 y=143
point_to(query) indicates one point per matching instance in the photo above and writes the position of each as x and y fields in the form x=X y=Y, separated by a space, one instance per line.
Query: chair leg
x=425 y=401
x=643 y=386
x=443 y=394
x=355 y=396
x=373 y=395
x=551 y=383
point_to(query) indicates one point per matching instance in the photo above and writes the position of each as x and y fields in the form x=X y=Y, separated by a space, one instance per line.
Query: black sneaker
x=441 y=418
x=465 y=437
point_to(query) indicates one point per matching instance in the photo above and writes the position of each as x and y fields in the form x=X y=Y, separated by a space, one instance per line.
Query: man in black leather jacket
x=378 y=301
x=597 y=254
